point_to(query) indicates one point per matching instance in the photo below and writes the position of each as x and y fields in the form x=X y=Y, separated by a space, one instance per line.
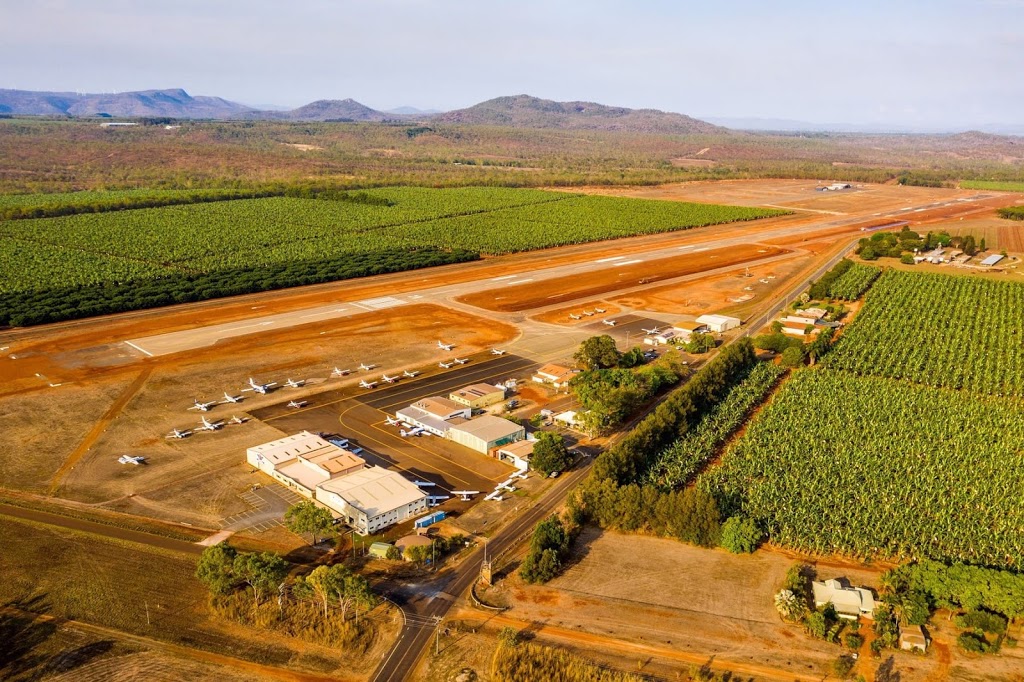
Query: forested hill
x=524 y=111
x=174 y=103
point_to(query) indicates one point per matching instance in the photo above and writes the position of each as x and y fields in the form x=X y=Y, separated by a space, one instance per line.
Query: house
x=554 y=375
x=815 y=313
x=794 y=331
x=372 y=498
x=303 y=461
x=486 y=433
x=795 y=321
x=719 y=323
x=478 y=396
x=435 y=414
x=849 y=602
x=569 y=418
x=517 y=454
x=912 y=637
x=684 y=330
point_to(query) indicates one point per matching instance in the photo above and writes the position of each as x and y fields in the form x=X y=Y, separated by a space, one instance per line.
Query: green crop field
x=201 y=250
x=995 y=185
x=939 y=330
x=880 y=467
x=852 y=284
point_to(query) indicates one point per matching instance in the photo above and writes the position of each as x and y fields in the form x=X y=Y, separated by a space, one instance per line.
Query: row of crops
x=180 y=242
x=878 y=467
x=681 y=461
x=852 y=284
x=938 y=330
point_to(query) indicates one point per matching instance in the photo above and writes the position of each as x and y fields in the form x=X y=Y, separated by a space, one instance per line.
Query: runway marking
x=381 y=302
x=521 y=281
x=324 y=312
x=609 y=260
x=703 y=248
x=498 y=279
x=688 y=246
x=631 y=262
x=139 y=348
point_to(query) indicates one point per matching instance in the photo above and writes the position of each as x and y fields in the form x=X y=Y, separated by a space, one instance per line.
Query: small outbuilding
x=517 y=454
x=380 y=550
x=912 y=637
x=719 y=323
x=478 y=396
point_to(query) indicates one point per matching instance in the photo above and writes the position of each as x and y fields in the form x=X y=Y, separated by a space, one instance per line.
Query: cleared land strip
x=98 y=428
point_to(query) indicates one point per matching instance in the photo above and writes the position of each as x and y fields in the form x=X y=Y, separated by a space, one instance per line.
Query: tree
x=308 y=517
x=353 y=592
x=262 y=572
x=598 y=352
x=216 y=568
x=700 y=343
x=549 y=453
x=324 y=581
x=740 y=535
x=634 y=357
x=790 y=606
x=793 y=356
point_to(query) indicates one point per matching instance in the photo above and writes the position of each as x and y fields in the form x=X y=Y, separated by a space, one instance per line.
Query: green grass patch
x=994 y=185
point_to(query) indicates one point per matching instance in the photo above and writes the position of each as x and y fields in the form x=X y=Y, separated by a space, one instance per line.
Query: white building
x=719 y=323
x=517 y=454
x=303 y=461
x=485 y=433
x=435 y=414
x=372 y=498
x=849 y=602
x=685 y=330
x=662 y=338
x=554 y=375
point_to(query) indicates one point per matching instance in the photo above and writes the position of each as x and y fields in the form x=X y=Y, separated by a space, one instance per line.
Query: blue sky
x=944 y=63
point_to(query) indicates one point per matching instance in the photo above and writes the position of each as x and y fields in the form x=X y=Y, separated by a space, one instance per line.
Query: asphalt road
x=435 y=599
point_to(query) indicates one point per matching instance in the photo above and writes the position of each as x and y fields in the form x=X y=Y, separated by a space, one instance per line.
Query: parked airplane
x=495 y=496
x=466 y=495
x=390 y=380
x=366 y=368
x=237 y=420
x=460 y=361
x=363 y=383
x=209 y=426
x=296 y=404
x=175 y=433
x=392 y=421
x=652 y=331
x=337 y=372
x=610 y=323
x=575 y=317
x=410 y=374
x=262 y=389
x=600 y=310
x=202 y=407
x=295 y=384
x=496 y=351
x=445 y=346
x=232 y=398
x=588 y=313
x=445 y=365
x=128 y=459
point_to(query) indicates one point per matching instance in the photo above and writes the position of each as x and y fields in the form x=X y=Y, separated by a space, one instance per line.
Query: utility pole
x=437 y=635
x=148 y=622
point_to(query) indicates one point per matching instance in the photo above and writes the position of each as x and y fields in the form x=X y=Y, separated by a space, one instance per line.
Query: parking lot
x=359 y=415
x=267 y=503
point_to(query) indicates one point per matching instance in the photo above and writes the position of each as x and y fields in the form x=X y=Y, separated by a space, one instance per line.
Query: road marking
x=139 y=348
x=609 y=260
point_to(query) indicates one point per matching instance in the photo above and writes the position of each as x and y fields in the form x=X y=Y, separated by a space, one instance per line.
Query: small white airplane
x=610 y=323
x=363 y=383
x=175 y=433
x=392 y=421
x=466 y=495
x=366 y=368
x=653 y=330
x=295 y=384
x=202 y=407
x=445 y=346
x=209 y=426
x=497 y=351
x=128 y=459
x=338 y=372
x=460 y=361
x=262 y=389
x=232 y=398
x=296 y=404
x=410 y=374
x=390 y=380
x=425 y=484
x=600 y=310
x=445 y=365
x=588 y=313
x=237 y=420
x=575 y=317
x=496 y=496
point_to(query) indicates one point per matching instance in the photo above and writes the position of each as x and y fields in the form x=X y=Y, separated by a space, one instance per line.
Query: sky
x=908 y=63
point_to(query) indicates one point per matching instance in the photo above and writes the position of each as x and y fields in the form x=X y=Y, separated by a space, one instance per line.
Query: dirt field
x=537 y=295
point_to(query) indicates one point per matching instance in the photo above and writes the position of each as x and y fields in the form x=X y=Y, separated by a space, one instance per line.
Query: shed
x=486 y=432
x=380 y=550
x=719 y=323
x=992 y=260
x=912 y=637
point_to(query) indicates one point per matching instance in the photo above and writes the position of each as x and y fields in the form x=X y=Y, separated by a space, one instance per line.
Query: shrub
x=740 y=535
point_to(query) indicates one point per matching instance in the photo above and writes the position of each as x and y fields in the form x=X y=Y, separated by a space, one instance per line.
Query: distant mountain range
x=520 y=111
